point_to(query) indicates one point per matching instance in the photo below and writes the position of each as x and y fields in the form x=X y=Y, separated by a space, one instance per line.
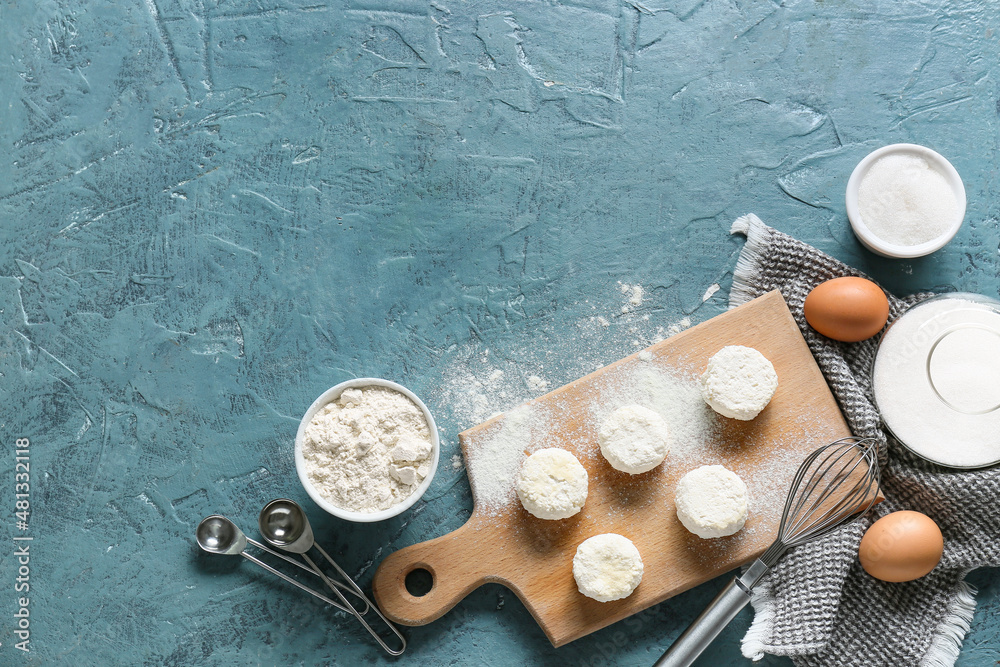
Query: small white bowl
x=884 y=248
x=333 y=394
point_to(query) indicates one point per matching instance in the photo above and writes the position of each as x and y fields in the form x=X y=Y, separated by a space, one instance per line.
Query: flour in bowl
x=368 y=450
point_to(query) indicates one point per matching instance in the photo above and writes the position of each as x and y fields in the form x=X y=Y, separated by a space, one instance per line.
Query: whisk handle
x=706 y=627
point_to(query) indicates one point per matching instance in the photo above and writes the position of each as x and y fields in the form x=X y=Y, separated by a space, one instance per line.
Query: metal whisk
x=834 y=485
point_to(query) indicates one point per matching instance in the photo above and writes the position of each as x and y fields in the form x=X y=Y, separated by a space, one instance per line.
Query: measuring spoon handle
x=361 y=619
x=295 y=583
x=331 y=582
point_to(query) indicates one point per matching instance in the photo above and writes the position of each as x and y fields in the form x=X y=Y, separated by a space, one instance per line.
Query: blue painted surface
x=211 y=211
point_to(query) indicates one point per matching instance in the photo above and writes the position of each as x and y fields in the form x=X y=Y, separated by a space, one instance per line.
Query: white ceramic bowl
x=884 y=248
x=333 y=394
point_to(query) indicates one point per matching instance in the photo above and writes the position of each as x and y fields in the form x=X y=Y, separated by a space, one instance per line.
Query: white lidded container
x=331 y=395
x=865 y=233
x=936 y=380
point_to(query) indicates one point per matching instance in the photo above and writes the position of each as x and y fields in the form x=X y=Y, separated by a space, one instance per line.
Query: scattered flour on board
x=493 y=470
x=478 y=385
x=699 y=437
x=675 y=397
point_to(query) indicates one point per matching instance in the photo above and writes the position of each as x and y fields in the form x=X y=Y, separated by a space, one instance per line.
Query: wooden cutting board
x=502 y=543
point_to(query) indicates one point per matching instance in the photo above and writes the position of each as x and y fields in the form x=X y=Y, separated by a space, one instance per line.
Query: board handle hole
x=419 y=582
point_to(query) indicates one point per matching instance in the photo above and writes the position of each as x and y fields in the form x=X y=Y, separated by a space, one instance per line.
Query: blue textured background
x=211 y=211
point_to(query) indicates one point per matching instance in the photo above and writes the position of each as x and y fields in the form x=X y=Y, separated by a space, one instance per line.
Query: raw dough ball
x=552 y=484
x=738 y=382
x=711 y=501
x=607 y=567
x=634 y=439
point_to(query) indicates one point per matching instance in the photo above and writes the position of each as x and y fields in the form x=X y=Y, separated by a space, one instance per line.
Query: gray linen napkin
x=818 y=605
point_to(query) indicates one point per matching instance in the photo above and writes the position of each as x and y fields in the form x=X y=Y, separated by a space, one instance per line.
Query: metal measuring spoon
x=218 y=535
x=283 y=524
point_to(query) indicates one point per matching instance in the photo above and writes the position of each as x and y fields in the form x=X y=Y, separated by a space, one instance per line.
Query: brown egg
x=847 y=309
x=901 y=546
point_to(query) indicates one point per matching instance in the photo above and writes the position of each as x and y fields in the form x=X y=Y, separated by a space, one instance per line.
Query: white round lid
x=936 y=380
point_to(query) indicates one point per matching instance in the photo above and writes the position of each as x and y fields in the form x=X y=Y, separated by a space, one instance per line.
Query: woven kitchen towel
x=818 y=606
